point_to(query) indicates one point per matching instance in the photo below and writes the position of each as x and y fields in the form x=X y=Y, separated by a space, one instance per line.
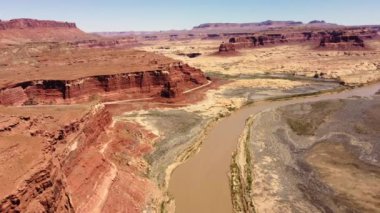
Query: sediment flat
x=201 y=184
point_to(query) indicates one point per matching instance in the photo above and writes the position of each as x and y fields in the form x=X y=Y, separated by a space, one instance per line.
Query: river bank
x=209 y=150
x=211 y=154
x=290 y=155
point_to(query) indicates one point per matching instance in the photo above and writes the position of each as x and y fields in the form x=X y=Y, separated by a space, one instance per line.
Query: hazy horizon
x=150 y=15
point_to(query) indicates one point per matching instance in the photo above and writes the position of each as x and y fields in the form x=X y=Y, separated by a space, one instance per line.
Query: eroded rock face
x=13 y=96
x=43 y=184
x=74 y=159
x=341 y=40
x=169 y=91
x=33 y=23
x=151 y=83
x=251 y=41
x=227 y=48
x=344 y=39
x=44 y=191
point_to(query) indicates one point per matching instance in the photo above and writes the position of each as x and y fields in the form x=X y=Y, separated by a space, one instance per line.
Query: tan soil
x=301 y=59
x=355 y=182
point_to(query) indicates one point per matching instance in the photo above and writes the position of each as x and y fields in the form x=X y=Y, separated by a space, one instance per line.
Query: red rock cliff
x=128 y=85
x=49 y=186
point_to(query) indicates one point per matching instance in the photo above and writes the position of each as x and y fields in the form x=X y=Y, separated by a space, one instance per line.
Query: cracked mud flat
x=314 y=157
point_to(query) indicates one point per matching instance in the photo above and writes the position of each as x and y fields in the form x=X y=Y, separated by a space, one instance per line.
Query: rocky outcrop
x=251 y=41
x=13 y=96
x=227 y=48
x=135 y=84
x=341 y=41
x=47 y=185
x=169 y=91
x=33 y=23
x=345 y=39
x=260 y=40
x=44 y=191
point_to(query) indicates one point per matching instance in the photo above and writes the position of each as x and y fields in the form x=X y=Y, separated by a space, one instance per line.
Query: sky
x=155 y=15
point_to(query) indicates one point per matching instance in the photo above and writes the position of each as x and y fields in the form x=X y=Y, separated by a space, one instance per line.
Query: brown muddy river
x=201 y=183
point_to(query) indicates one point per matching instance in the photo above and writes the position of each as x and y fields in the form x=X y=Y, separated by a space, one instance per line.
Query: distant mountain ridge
x=33 y=30
x=24 y=23
x=260 y=25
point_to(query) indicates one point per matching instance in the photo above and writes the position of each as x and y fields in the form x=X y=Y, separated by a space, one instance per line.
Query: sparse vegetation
x=308 y=123
x=302 y=126
x=241 y=175
x=360 y=129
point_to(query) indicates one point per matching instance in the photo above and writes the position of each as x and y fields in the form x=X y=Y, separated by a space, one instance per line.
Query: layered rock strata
x=227 y=48
x=40 y=184
x=339 y=39
x=177 y=76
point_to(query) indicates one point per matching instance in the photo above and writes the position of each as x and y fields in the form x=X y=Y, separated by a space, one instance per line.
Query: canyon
x=40 y=141
x=171 y=121
x=60 y=143
x=56 y=73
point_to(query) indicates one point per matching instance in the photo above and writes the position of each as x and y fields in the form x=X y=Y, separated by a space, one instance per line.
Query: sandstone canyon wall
x=177 y=76
x=43 y=187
